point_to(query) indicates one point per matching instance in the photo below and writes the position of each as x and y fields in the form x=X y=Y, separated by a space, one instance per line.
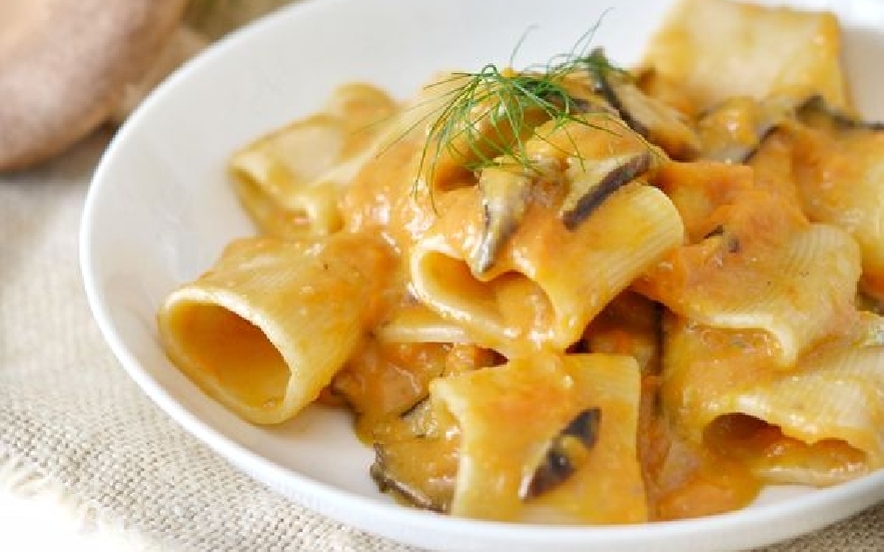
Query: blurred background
x=68 y=67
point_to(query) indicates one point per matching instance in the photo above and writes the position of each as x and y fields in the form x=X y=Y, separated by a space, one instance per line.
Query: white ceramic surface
x=160 y=210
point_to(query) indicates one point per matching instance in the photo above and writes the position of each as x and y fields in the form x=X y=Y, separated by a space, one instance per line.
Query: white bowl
x=160 y=209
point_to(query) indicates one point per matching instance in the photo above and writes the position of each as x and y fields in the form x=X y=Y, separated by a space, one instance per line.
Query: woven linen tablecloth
x=70 y=415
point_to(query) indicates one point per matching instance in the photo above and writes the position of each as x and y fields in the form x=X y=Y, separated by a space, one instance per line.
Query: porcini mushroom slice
x=816 y=107
x=596 y=180
x=735 y=129
x=419 y=468
x=505 y=195
x=745 y=124
x=661 y=124
x=416 y=473
x=57 y=82
x=566 y=452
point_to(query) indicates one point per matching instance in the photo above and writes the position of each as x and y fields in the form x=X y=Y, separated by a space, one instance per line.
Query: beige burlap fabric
x=69 y=411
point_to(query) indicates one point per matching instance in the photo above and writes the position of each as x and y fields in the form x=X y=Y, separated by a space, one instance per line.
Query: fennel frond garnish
x=485 y=117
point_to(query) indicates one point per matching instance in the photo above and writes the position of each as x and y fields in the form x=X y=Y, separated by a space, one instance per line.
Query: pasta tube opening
x=779 y=459
x=268 y=327
x=817 y=423
x=235 y=353
x=290 y=180
x=548 y=282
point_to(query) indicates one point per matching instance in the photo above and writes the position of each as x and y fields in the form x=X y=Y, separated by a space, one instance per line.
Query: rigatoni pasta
x=289 y=181
x=594 y=396
x=268 y=327
x=571 y=293
x=761 y=265
x=815 y=424
x=565 y=287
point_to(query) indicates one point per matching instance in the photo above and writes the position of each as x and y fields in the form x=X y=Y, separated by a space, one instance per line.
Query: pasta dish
x=571 y=293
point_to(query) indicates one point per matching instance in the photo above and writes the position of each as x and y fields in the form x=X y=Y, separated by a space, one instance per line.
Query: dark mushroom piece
x=507 y=192
x=733 y=130
x=648 y=116
x=505 y=196
x=506 y=188
x=419 y=469
x=564 y=455
x=816 y=111
x=868 y=303
x=394 y=471
x=506 y=185
x=598 y=181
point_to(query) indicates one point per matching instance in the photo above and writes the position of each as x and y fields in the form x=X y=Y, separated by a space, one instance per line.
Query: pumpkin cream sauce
x=570 y=295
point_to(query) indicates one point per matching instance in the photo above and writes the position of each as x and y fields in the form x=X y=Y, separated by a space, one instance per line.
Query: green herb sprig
x=486 y=116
